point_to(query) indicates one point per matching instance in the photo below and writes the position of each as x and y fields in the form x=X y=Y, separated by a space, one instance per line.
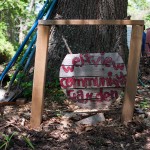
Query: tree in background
x=16 y=17
x=140 y=10
x=88 y=39
x=6 y=48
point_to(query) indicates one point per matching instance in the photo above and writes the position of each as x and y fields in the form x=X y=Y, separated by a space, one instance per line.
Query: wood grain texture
x=91 y=22
x=39 y=75
x=132 y=73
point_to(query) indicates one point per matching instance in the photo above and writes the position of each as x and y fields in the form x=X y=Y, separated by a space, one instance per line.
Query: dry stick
x=92 y=111
x=66 y=44
x=12 y=103
x=133 y=139
x=7 y=125
x=10 y=124
x=15 y=127
x=65 y=41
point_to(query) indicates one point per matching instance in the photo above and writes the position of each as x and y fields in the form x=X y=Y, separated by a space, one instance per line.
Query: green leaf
x=28 y=142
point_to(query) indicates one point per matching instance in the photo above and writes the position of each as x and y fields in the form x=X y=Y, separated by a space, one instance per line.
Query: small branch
x=66 y=44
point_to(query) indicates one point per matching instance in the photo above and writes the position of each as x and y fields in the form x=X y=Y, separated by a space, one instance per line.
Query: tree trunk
x=87 y=39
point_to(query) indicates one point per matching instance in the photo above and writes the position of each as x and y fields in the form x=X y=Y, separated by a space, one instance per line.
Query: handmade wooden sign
x=132 y=75
x=92 y=80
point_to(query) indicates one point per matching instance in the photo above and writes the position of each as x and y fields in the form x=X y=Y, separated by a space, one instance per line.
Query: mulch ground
x=57 y=132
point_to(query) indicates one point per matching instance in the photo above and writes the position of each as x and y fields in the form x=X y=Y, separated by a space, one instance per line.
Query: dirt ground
x=60 y=128
x=60 y=132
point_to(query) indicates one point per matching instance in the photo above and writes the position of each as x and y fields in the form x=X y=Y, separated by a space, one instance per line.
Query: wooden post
x=132 y=73
x=39 y=75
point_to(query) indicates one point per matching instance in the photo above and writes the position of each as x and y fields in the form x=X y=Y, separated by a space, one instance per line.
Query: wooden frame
x=41 y=63
x=90 y=22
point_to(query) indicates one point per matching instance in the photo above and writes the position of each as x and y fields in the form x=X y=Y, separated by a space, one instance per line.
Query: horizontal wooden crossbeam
x=91 y=22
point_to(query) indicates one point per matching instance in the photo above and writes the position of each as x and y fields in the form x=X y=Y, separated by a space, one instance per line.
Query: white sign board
x=92 y=80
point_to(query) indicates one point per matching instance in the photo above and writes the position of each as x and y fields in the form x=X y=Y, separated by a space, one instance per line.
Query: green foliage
x=6 y=141
x=54 y=90
x=15 y=16
x=28 y=141
x=10 y=14
x=6 y=48
x=24 y=84
x=147 y=17
x=15 y=6
x=140 y=5
x=144 y=104
x=27 y=86
x=139 y=10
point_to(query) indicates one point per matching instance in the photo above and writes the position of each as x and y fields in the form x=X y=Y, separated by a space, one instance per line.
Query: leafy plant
x=27 y=86
x=54 y=90
x=139 y=10
x=147 y=18
x=16 y=17
x=6 y=48
x=6 y=141
x=28 y=141
x=144 y=104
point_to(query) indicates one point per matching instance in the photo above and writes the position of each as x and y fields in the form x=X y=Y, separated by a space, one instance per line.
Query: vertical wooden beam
x=132 y=73
x=39 y=75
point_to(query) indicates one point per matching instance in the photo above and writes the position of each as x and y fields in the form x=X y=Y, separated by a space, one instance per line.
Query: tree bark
x=87 y=39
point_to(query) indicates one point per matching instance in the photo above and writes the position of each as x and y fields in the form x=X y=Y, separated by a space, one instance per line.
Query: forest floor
x=60 y=128
x=58 y=131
